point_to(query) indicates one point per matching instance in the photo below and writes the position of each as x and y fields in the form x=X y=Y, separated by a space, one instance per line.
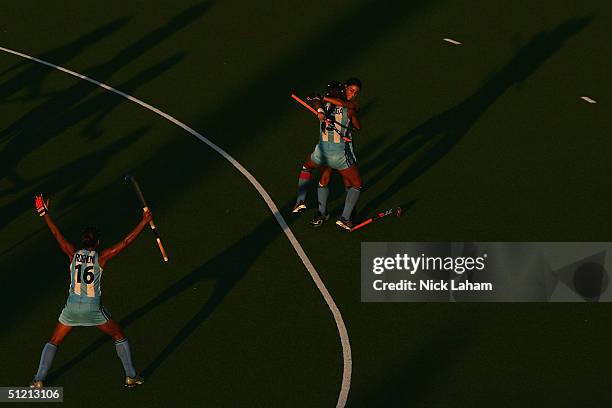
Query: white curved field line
x=346 y=347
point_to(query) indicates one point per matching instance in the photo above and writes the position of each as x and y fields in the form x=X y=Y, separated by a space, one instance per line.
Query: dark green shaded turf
x=484 y=141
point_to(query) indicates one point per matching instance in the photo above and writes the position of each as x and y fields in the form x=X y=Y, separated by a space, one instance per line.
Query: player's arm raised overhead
x=42 y=207
x=113 y=251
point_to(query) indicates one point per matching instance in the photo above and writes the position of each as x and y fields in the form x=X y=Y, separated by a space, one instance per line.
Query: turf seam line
x=342 y=331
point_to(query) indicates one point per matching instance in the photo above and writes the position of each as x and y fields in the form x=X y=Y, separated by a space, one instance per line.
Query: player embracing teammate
x=337 y=113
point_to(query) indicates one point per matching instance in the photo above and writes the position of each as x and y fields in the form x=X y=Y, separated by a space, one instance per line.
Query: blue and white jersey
x=340 y=128
x=85 y=275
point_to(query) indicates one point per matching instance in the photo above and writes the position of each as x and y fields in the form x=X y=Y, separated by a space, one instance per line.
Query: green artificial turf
x=488 y=140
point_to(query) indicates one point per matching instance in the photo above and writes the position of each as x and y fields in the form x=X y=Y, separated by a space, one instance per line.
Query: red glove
x=41 y=205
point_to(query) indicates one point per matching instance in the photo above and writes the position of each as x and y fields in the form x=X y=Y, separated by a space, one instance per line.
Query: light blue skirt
x=81 y=311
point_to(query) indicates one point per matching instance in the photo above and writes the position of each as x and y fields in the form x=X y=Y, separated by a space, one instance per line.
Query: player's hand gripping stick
x=145 y=207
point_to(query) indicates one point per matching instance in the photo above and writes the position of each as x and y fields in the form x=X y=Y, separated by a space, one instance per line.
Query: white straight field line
x=344 y=339
x=450 y=40
x=589 y=100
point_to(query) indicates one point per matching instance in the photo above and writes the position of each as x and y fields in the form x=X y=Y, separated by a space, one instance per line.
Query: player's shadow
x=99 y=104
x=302 y=66
x=225 y=269
x=31 y=131
x=222 y=121
x=412 y=381
x=423 y=146
x=67 y=108
x=80 y=171
x=229 y=267
x=32 y=77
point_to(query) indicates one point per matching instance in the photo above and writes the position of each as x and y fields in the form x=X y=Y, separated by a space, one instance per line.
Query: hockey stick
x=304 y=104
x=397 y=211
x=145 y=207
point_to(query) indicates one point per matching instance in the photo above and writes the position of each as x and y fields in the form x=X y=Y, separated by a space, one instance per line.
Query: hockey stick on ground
x=144 y=207
x=397 y=211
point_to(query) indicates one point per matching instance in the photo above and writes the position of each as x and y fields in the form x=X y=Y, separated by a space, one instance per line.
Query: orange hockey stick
x=304 y=104
x=391 y=211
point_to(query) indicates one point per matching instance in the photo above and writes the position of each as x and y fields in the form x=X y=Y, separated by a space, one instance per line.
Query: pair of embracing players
x=337 y=113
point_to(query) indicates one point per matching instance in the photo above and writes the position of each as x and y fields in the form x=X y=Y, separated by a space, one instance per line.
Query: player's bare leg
x=60 y=333
x=113 y=329
x=123 y=351
x=48 y=354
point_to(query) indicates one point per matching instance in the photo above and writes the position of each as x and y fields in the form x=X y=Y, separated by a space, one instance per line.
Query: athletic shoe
x=299 y=207
x=36 y=384
x=346 y=224
x=319 y=219
x=133 y=381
